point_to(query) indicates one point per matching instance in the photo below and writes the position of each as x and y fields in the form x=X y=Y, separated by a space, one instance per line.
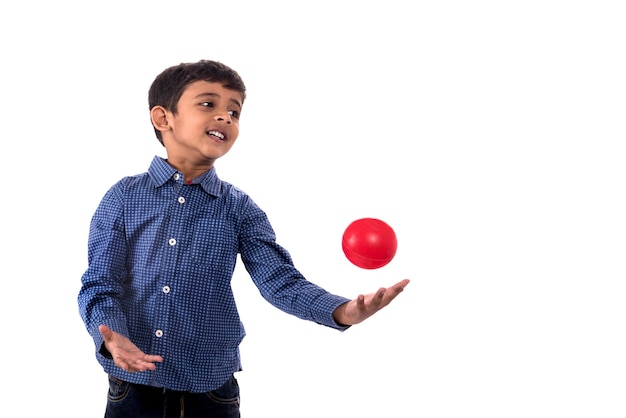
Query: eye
x=234 y=113
x=206 y=104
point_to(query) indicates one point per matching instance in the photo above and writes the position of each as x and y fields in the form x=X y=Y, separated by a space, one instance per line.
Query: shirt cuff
x=323 y=308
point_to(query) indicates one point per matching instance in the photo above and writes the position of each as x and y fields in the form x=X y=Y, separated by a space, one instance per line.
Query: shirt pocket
x=214 y=242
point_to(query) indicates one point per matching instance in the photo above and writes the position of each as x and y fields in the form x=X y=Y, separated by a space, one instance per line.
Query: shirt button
x=176 y=176
x=158 y=333
x=172 y=241
x=166 y=289
x=181 y=200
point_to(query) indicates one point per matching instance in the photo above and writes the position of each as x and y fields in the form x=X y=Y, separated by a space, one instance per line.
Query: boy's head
x=168 y=86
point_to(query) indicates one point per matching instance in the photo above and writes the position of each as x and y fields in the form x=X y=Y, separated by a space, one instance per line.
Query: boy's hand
x=127 y=355
x=364 y=306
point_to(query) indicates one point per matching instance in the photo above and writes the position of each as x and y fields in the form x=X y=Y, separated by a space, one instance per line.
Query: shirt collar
x=160 y=171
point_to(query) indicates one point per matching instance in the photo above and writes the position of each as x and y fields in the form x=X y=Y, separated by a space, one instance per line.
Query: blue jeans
x=126 y=400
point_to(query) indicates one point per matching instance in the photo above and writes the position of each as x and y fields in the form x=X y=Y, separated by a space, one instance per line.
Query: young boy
x=162 y=250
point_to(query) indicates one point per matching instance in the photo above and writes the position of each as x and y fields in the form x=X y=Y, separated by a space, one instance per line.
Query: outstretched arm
x=364 y=306
x=127 y=355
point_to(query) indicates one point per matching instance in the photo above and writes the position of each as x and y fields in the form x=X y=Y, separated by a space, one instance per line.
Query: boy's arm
x=101 y=287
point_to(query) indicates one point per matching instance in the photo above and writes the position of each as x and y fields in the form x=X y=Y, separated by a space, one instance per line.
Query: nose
x=223 y=117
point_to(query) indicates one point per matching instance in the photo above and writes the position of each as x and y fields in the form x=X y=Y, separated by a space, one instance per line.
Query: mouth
x=217 y=135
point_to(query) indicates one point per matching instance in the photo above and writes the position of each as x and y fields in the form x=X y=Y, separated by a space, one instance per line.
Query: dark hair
x=168 y=86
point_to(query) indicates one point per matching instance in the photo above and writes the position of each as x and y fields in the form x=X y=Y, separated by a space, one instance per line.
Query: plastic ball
x=369 y=243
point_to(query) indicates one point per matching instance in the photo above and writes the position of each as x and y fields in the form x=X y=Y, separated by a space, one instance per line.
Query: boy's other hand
x=127 y=355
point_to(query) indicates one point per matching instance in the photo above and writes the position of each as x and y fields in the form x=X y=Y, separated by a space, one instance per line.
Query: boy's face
x=205 y=126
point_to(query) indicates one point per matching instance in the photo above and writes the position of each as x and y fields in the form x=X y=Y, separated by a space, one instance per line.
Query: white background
x=489 y=135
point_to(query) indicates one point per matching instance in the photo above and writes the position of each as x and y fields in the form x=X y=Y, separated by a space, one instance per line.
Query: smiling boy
x=162 y=251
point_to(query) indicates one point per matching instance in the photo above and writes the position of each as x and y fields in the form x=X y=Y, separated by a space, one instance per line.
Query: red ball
x=369 y=243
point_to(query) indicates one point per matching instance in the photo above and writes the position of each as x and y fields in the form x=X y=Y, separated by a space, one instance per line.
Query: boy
x=162 y=250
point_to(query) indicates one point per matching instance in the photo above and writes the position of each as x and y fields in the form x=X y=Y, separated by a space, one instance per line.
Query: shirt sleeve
x=101 y=284
x=271 y=268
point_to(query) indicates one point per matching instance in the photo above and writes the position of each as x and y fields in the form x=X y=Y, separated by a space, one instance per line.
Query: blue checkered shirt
x=161 y=255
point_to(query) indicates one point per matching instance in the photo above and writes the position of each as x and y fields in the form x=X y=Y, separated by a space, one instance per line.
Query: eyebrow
x=202 y=95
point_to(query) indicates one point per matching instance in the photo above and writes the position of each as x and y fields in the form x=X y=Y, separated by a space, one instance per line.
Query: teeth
x=217 y=134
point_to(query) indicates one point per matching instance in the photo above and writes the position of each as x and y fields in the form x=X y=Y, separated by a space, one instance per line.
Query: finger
x=106 y=332
x=138 y=365
x=142 y=367
x=397 y=288
x=153 y=358
x=122 y=364
x=378 y=296
x=401 y=284
x=360 y=301
x=147 y=363
x=148 y=366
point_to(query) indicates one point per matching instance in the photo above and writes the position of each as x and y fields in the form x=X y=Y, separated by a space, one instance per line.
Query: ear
x=159 y=115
